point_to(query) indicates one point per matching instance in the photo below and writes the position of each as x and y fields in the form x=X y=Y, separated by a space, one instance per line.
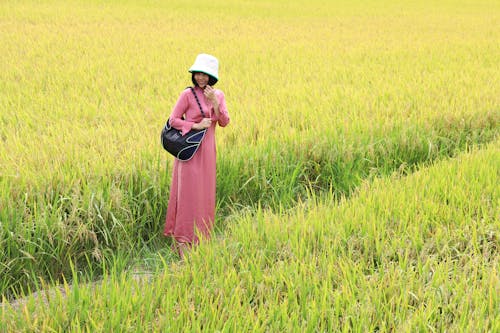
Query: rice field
x=356 y=183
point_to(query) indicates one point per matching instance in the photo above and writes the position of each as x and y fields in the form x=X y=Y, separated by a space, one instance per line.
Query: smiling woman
x=191 y=207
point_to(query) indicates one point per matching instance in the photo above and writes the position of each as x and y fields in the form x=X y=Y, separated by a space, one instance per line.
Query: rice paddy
x=356 y=183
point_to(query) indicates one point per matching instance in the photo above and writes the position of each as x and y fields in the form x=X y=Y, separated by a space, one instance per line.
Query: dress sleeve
x=223 y=118
x=176 y=117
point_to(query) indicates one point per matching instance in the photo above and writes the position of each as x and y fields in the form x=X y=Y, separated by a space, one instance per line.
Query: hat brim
x=201 y=70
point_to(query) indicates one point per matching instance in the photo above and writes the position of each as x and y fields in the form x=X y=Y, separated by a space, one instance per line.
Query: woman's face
x=201 y=79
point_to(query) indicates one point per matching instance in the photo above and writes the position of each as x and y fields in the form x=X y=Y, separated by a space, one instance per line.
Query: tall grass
x=405 y=254
x=322 y=97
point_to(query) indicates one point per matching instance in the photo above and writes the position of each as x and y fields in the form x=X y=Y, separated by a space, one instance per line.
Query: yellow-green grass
x=86 y=85
x=321 y=96
x=404 y=254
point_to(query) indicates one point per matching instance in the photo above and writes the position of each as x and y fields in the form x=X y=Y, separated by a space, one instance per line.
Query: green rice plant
x=403 y=254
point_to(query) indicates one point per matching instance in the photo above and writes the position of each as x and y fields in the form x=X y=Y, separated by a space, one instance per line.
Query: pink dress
x=191 y=206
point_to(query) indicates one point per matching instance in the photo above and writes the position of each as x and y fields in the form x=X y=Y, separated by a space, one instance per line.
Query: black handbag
x=182 y=147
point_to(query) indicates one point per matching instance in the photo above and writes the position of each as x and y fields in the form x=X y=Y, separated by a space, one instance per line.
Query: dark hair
x=211 y=79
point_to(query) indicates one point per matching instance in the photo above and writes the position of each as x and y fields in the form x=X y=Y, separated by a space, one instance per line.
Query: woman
x=191 y=206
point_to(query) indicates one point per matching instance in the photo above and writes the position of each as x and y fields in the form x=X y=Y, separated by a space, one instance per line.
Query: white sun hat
x=207 y=64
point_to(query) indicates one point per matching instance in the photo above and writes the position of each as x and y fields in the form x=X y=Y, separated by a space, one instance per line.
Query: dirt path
x=44 y=296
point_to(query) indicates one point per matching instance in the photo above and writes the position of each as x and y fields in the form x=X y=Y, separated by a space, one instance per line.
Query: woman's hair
x=211 y=79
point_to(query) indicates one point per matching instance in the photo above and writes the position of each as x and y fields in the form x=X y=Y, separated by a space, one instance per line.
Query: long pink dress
x=191 y=206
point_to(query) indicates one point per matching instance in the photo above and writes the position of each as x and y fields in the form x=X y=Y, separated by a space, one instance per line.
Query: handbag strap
x=197 y=101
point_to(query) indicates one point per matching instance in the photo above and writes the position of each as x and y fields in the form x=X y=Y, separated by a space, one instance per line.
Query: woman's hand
x=205 y=123
x=210 y=95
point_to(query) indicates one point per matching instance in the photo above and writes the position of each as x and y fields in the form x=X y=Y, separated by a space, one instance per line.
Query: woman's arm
x=176 y=117
x=217 y=98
